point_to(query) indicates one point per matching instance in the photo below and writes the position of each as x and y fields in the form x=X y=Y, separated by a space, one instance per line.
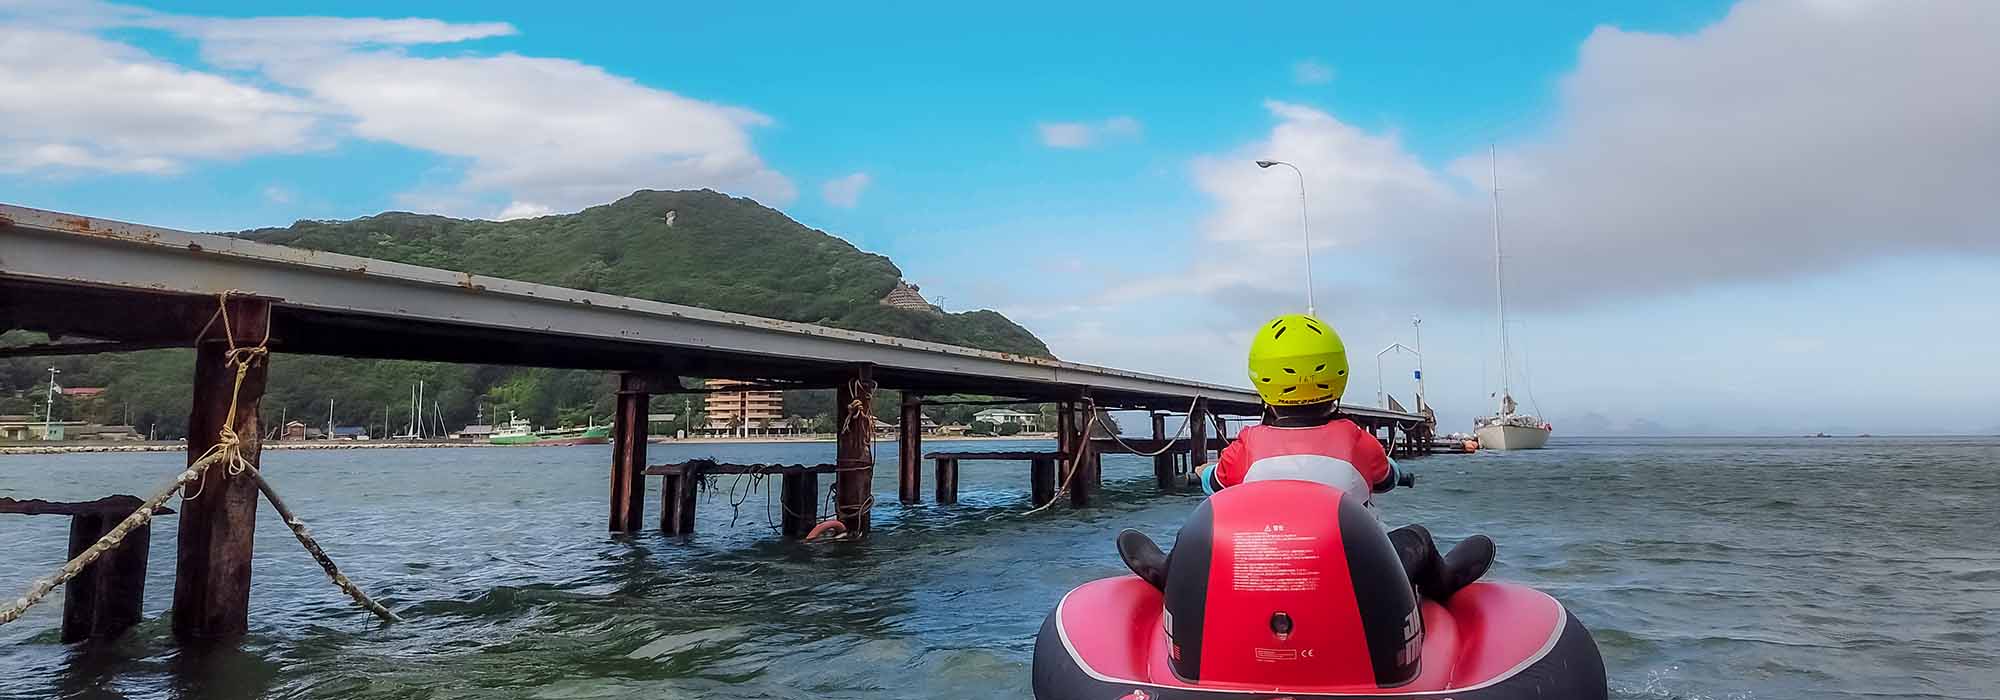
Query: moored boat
x=1506 y=429
x=518 y=431
x=588 y=435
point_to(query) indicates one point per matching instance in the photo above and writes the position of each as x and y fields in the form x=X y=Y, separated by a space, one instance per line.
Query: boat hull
x=1511 y=437
x=1493 y=641
x=587 y=440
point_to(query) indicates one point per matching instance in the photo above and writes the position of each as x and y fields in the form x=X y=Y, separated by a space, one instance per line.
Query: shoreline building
x=742 y=413
x=1004 y=416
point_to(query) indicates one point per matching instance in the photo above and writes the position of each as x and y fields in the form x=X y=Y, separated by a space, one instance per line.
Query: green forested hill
x=699 y=248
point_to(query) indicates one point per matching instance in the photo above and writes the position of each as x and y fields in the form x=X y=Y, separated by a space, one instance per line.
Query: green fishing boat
x=520 y=432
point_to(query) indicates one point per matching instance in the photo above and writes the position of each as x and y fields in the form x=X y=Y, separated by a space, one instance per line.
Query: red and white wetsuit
x=1337 y=454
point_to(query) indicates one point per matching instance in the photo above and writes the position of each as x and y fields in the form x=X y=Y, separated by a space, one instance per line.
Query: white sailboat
x=1506 y=429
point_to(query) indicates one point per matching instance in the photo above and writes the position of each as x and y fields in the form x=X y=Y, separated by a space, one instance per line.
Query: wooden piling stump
x=219 y=524
x=947 y=480
x=909 y=451
x=1042 y=481
x=677 y=498
x=800 y=499
x=104 y=600
x=1163 y=463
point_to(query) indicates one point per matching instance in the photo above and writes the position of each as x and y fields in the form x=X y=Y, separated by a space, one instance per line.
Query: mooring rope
x=227 y=450
x=1163 y=448
x=1083 y=436
x=298 y=527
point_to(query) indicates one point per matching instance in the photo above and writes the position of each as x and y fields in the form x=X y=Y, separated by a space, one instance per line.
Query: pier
x=104 y=286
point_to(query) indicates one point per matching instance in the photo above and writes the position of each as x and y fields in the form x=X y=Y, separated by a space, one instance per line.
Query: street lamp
x=1417 y=326
x=1381 y=398
x=1306 y=220
x=49 y=407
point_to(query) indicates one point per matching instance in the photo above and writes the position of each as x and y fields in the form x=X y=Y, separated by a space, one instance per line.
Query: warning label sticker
x=1263 y=654
x=1274 y=560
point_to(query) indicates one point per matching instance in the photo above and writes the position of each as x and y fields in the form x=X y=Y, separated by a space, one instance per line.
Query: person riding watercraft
x=1290 y=590
x=1283 y=586
x=1299 y=366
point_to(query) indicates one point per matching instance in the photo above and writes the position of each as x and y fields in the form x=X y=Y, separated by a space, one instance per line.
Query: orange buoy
x=832 y=525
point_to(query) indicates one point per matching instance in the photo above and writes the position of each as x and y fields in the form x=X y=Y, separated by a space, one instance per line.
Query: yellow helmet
x=1296 y=360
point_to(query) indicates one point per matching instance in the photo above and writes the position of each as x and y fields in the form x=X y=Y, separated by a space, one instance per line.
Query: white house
x=998 y=416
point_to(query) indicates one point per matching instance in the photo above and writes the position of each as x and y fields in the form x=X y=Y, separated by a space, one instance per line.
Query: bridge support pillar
x=853 y=495
x=1084 y=477
x=1197 y=435
x=1065 y=441
x=629 y=427
x=1041 y=481
x=1163 y=463
x=218 y=527
x=910 y=451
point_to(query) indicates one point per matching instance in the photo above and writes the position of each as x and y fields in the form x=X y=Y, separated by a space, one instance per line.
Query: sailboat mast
x=1500 y=280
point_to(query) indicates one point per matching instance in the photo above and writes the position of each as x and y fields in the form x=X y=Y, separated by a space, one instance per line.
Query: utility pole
x=49 y=407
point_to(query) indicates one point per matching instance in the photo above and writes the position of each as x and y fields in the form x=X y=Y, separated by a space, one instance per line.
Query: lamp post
x=49 y=406
x=1417 y=326
x=1380 y=397
x=1305 y=220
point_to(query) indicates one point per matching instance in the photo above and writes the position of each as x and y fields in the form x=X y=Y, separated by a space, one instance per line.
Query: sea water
x=1707 y=568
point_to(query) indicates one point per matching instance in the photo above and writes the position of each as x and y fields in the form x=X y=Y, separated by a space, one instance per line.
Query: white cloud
x=278 y=194
x=845 y=192
x=1086 y=134
x=74 y=102
x=552 y=132
x=1065 y=134
x=1311 y=72
x=523 y=210
x=1787 y=139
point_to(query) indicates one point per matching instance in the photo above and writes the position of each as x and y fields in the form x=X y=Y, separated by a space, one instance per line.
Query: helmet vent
x=1280 y=333
x=1322 y=386
x=1289 y=370
x=1315 y=329
x=1321 y=368
x=1290 y=389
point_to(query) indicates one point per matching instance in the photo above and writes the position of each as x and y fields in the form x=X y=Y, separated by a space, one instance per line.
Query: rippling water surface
x=1741 y=568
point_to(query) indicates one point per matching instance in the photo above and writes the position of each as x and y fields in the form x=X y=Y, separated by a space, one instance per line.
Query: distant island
x=698 y=248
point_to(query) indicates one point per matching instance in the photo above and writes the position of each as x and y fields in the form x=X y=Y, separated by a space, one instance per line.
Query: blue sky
x=1766 y=216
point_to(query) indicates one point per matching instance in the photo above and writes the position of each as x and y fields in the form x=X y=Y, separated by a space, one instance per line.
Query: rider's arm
x=1226 y=471
x=1373 y=462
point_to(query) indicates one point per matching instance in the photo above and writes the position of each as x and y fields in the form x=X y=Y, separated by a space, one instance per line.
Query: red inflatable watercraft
x=1289 y=589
